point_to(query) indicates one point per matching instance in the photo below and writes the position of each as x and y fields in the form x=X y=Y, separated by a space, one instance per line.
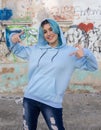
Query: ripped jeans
x=31 y=111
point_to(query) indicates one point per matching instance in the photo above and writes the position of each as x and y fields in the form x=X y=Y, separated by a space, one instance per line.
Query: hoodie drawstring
x=55 y=55
x=45 y=53
x=42 y=56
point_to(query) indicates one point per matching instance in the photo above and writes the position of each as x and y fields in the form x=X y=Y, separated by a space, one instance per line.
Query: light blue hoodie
x=50 y=69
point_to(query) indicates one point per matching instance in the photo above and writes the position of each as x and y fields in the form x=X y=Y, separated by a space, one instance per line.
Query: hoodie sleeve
x=87 y=62
x=19 y=50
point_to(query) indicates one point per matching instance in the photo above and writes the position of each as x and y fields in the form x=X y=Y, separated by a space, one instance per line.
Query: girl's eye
x=45 y=31
x=51 y=29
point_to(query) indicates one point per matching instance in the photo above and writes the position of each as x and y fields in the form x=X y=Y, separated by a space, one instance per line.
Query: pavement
x=82 y=111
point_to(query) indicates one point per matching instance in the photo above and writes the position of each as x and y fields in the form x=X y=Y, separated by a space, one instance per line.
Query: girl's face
x=50 y=36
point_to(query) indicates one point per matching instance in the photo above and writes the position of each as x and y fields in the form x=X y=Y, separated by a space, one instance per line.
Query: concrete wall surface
x=14 y=79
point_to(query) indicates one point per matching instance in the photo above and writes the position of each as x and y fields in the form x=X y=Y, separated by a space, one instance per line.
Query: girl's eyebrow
x=50 y=28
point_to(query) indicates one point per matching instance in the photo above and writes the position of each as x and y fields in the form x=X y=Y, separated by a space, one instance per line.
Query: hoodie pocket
x=43 y=87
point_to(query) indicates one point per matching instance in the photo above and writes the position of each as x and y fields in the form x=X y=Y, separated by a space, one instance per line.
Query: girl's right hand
x=16 y=37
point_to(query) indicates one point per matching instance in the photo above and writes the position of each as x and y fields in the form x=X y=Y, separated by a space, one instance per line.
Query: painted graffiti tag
x=89 y=12
x=88 y=37
x=63 y=13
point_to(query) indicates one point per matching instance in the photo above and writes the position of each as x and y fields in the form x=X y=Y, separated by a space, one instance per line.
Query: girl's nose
x=48 y=32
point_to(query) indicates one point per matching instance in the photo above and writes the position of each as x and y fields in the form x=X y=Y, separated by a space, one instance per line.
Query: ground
x=82 y=111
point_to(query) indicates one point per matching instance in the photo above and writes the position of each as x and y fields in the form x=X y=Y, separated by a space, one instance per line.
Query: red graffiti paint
x=86 y=27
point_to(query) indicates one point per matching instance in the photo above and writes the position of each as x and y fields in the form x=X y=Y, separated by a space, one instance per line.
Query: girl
x=51 y=65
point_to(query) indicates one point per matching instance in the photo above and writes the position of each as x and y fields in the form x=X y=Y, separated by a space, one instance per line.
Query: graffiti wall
x=84 y=27
x=79 y=20
x=29 y=38
x=87 y=11
x=88 y=35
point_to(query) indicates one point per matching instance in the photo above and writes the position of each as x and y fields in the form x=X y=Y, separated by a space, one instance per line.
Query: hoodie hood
x=42 y=43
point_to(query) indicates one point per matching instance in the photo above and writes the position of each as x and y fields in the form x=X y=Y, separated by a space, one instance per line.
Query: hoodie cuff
x=87 y=52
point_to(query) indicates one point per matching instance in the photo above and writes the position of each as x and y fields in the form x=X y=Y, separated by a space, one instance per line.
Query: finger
x=22 y=32
x=74 y=53
x=19 y=39
x=78 y=46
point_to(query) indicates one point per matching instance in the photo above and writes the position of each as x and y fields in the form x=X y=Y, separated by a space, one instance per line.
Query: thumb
x=78 y=46
x=74 y=52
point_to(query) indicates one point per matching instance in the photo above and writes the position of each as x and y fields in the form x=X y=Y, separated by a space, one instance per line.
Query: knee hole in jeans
x=53 y=123
x=25 y=127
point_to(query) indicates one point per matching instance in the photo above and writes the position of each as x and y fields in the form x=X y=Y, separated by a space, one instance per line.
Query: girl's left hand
x=79 y=52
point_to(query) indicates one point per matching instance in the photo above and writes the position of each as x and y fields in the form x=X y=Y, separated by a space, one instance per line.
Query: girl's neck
x=54 y=44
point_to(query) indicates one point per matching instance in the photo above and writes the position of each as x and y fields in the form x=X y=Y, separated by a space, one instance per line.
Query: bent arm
x=87 y=62
x=19 y=50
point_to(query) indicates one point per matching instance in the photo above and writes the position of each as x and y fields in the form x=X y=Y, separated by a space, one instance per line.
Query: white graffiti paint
x=74 y=35
x=94 y=38
x=90 y=39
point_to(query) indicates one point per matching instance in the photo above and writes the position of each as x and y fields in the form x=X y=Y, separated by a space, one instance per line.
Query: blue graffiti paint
x=5 y=14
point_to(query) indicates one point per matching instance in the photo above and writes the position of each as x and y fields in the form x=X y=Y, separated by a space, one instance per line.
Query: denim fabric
x=32 y=109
